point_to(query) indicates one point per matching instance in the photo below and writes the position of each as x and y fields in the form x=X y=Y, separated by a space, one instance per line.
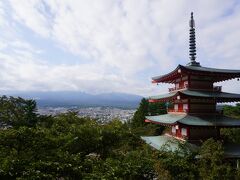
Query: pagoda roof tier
x=164 y=142
x=218 y=96
x=171 y=144
x=212 y=74
x=196 y=120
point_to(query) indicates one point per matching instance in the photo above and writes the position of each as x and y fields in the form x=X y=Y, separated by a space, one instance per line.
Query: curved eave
x=163 y=98
x=194 y=121
x=160 y=123
x=168 y=143
x=167 y=78
x=220 y=97
x=217 y=74
x=165 y=119
x=210 y=121
x=212 y=70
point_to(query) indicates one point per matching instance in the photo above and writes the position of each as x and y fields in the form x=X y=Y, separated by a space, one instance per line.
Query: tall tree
x=18 y=111
x=138 y=119
x=157 y=108
x=145 y=108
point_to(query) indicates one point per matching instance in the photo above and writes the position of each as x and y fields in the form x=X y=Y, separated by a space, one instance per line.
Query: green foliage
x=179 y=164
x=69 y=147
x=156 y=108
x=138 y=119
x=233 y=134
x=211 y=165
x=232 y=111
x=134 y=165
x=145 y=108
x=138 y=124
x=17 y=111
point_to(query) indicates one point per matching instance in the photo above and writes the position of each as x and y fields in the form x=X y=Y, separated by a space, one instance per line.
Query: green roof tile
x=168 y=143
x=214 y=70
x=198 y=120
x=159 y=142
x=166 y=118
x=210 y=94
x=220 y=96
x=232 y=73
x=168 y=95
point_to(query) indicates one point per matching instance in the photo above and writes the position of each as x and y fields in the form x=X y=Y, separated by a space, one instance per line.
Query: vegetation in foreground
x=70 y=147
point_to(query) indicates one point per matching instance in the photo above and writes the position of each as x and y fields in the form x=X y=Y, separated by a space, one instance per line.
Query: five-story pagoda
x=193 y=116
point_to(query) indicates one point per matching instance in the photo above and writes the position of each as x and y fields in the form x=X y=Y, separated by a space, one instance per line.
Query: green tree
x=211 y=161
x=157 y=108
x=145 y=108
x=70 y=147
x=178 y=164
x=138 y=124
x=138 y=119
x=18 y=111
x=231 y=134
x=232 y=111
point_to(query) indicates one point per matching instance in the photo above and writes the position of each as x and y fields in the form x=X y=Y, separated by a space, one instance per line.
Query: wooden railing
x=215 y=88
x=178 y=110
x=199 y=111
x=175 y=88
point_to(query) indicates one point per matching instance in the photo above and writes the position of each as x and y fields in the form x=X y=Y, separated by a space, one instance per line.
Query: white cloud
x=121 y=40
x=29 y=12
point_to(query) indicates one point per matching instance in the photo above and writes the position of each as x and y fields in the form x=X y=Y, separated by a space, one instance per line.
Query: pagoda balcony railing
x=177 y=88
x=200 y=111
x=178 y=110
x=215 y=88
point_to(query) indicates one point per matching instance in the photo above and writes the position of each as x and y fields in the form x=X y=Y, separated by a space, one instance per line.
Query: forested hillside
x=69 y=147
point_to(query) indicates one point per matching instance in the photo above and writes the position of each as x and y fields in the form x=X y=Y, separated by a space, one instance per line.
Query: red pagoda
x=193 y=116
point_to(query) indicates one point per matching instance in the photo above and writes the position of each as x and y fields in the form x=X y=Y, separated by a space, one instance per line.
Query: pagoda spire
x=192 y=43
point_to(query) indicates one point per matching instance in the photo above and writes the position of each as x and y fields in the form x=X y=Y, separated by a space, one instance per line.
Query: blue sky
x=101 y=46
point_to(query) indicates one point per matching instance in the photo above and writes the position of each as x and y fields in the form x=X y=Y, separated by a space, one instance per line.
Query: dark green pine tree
x=139 y=116
x=157 y=108
x=145 y=108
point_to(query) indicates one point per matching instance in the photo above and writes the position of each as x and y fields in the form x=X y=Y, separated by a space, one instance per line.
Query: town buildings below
x=102 y=114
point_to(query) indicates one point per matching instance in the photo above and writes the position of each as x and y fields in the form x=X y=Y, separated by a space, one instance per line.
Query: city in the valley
x=103 y=114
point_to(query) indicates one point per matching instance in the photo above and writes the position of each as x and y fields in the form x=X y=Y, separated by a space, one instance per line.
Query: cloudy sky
x=100 y=46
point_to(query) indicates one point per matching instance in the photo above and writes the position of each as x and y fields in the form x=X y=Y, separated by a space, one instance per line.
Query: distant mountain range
x=80 y=99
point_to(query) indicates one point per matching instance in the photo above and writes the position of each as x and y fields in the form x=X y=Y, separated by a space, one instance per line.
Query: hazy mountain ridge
x=74 y=98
